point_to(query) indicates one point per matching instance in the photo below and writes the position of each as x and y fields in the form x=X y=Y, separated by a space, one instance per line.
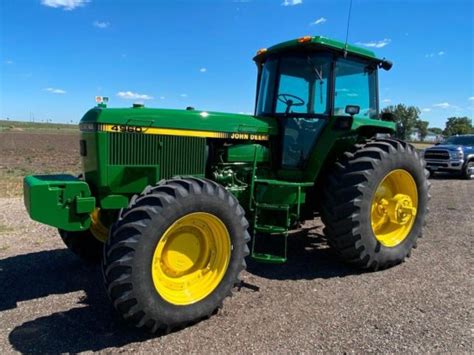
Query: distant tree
x=458 y=125
x=422 y=127
x=406 y=118
x=436 y=130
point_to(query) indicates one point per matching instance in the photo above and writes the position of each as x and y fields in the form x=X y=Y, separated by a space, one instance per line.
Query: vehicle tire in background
x=375 y=202
x=175 y=253
x=468 y=170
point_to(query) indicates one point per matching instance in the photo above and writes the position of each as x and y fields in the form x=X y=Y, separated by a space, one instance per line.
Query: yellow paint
x=98 y=230
x=180 y=132
x=191 y=258
x=394 y=208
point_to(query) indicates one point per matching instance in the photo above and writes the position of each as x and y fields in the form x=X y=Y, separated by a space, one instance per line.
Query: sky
x=57 y=55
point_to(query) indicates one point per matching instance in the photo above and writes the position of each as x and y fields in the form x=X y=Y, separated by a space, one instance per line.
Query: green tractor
x=173 y=201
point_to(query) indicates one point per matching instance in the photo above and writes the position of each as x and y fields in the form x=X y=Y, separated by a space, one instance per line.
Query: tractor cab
x=309 y=83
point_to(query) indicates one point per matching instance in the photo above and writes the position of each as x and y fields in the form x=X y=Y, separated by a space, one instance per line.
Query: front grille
x=174 y=155
x=437 y=154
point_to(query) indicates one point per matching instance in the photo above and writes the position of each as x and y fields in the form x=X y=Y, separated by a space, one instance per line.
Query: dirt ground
x=26 y=152
x=52 y=302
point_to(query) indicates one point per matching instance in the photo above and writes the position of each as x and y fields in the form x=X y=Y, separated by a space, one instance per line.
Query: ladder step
x=268 y=258
x=268 y=206
x=270 y=229
x=283 y=183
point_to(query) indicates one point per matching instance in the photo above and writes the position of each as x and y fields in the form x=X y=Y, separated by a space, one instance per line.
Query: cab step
x=269 y=229
x=268 y=258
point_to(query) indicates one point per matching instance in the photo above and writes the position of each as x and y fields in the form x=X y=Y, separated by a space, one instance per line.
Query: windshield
x=460 y=140
x=302 y=86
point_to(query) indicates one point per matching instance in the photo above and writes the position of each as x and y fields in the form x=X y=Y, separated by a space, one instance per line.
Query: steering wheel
x=287 y=99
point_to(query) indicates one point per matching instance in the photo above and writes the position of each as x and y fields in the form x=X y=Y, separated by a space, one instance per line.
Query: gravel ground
x=51 y=302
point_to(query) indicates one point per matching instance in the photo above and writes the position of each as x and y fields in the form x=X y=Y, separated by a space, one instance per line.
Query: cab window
x=303 y=85
x=355 y=85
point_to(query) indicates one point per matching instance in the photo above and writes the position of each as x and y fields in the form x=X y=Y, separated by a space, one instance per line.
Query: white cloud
x=319 y=21
x=443 y=105
x=184 y=95
x=67 y=5
x=129 y=95
x=471 y=98
x=55 y=91
x=426 y=109
x=431 y=55
x=203 y=70
x=375 y=44
x=386 y=101
x=8 y=61
x=291 y=2
x=101 y=24
x=162 y=97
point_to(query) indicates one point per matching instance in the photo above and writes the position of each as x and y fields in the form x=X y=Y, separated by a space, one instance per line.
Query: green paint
x=114 y=202
x=247 y=153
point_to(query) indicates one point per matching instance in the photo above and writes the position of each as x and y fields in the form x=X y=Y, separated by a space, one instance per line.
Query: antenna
x=347 y=30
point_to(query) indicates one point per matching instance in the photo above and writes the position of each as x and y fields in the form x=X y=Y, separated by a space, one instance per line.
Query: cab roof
x=310 y=42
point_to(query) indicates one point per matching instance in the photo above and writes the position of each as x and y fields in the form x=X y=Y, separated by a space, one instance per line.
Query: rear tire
x=83 y=244
x=132 y=275
x=348 y=202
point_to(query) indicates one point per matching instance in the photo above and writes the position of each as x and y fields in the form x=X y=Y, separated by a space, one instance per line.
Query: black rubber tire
x=465 y=172
x=83 y=244
x=348 y=196
x=133 y=238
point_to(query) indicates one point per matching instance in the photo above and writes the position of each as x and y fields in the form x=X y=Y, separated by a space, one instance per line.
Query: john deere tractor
x=173 y=201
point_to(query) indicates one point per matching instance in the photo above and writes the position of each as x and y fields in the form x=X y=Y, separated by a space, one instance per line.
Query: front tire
x=175 y=253
x=466 y=174
x=375 y=202
x=83 y=244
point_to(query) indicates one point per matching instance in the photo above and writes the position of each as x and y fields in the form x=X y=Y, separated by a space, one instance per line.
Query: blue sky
x=57 y=55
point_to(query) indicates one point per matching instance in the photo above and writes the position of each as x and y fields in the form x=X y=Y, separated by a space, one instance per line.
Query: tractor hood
x=180 y=122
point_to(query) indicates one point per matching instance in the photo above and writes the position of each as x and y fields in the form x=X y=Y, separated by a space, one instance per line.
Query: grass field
x=40 y=127
x=35 y=148
x=421 y=145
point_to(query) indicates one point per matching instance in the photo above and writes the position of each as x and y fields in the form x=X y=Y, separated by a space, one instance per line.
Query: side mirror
x=387 y=116
x=386 y=64
x=352 y=110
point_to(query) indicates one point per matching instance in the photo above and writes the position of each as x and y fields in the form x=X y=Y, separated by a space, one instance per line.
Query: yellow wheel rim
x=191 y=258
x=98 y=230
x=394 y=208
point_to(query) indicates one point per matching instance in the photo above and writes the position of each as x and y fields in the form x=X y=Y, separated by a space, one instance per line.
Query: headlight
x=457 y=154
